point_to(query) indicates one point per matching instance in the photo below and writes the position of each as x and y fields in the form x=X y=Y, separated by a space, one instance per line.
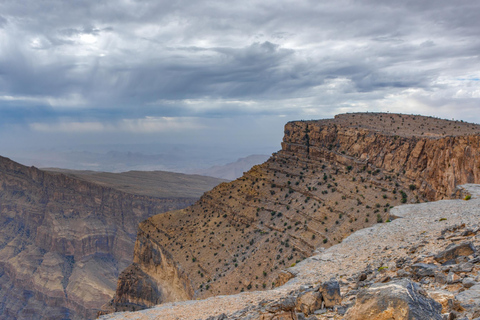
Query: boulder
x=455 y=251
x=421 y=270
x=400 y=299
x=462 y=267
x=442 y=297
x=309 y=301
x=470 y=297
x=330 y=291
x=468 y=282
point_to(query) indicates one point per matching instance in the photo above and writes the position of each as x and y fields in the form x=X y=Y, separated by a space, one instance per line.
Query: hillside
x=394 y=270
x=331 y=178
x=64 y=240
x=159 y=184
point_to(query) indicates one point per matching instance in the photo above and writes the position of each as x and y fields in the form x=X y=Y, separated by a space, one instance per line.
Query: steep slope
x=331 y=177
x=63 y=241
x=368 y=268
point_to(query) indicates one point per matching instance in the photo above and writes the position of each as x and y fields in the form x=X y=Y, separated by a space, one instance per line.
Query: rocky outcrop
x=331 y=178
x=374 y=268
x=433 y=165
x=400 y=299
x=64 y=241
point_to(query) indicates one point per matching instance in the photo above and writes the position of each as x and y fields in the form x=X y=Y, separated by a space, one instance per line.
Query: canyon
x=65 y=237
x=331 y=178
x=425 y=264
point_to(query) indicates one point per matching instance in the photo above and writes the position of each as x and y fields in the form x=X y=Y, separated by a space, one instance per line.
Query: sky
x=145 y=76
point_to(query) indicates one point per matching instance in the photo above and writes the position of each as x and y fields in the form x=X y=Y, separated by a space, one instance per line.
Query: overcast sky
x=104 y=72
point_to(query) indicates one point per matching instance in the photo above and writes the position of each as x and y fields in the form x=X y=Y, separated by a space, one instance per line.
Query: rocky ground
x=425 y=264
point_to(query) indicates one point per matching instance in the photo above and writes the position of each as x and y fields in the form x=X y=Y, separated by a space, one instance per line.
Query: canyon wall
x=331 y=178
x=64 y=241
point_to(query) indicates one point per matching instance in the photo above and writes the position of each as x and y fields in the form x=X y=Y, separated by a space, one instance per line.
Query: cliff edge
x=331 y=178
x=429 y=255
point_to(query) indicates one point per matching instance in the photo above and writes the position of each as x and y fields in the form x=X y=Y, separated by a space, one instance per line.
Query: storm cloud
x=126 y=66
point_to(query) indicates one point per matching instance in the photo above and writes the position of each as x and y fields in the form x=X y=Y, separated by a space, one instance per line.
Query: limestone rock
x=470 y=297
x=424 y=270
x=309 y=301
x=399 y=299
x=330 y=291
x=455 y=251
x=442 y=297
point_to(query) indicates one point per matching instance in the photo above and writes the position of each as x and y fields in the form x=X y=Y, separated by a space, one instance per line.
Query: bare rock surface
x=369 y=258
x=400 y=299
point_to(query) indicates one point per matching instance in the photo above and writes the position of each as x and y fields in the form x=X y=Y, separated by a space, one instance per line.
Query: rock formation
x=378 y=270
x=63 y=241
x=331 y=178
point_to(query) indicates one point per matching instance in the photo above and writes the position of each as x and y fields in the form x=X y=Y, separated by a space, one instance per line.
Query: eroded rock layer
x=394 y=270
x=64 y=241
x=331 y=177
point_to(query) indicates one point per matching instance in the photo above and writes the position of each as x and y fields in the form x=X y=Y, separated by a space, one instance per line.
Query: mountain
x=233 y=170
x=66 y=237
x=331 y=178
x=422 y=265
x=159 y=184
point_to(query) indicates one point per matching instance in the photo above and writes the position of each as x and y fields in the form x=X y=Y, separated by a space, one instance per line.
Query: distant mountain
x=233 y=170
x=159 y=184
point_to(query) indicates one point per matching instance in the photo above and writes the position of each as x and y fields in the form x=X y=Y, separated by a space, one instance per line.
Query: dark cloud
x=104 y=62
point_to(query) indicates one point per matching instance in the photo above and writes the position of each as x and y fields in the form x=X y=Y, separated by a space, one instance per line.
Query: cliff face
x=423 y=265
x=331 y=177
x=64 y=241
x=434 y=165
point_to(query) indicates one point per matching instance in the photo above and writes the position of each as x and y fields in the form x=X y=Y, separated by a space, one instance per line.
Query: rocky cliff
x=331 y=178
x=423 y=265
x=64 y=241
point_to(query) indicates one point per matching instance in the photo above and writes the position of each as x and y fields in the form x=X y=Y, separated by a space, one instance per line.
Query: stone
x=470 y=297
x=403 y=273
x=223 y=316
x=400 y=299
x=468 y=282
x=308 y=302
x=285 y=304
x=442 y=297
x=440 y=277
x=455 y=251
x=424 y=270
x=453 y=278
x=330 y=291
x=462 y=267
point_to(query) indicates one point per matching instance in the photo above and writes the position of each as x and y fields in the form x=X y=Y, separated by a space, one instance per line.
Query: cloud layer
x=126 y=66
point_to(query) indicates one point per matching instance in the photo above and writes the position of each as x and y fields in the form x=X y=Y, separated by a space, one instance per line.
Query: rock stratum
x=331 y=178
x=424 y=265
x=64 y=240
